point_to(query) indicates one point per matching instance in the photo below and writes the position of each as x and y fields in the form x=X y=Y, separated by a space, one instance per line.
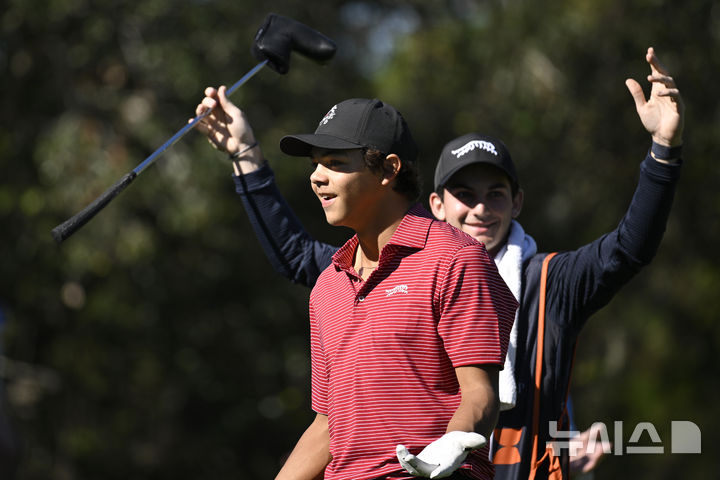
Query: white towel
x=509 y=262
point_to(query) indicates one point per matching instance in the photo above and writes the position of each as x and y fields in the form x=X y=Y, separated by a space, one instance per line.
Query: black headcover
x=279 y=36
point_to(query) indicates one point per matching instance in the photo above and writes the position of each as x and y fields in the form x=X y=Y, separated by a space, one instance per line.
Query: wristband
x=661 y=152
x=234 y=156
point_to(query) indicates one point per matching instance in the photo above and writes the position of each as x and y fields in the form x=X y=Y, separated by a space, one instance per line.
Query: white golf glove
x=442 y=457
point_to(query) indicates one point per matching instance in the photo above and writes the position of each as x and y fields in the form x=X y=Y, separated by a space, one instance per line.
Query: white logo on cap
x=472 y=145
x=329 y=115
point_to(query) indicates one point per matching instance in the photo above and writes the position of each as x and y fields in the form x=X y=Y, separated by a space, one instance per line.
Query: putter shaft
x=189 y=126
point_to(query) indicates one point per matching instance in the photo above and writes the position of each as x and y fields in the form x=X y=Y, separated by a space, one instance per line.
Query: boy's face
x=478 y=200
x=349 y=192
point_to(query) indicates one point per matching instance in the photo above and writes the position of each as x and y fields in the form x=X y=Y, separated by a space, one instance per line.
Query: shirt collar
x=411 y=233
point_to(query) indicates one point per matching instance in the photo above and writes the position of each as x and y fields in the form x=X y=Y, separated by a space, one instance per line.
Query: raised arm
x=291 y=250
x=584 y=280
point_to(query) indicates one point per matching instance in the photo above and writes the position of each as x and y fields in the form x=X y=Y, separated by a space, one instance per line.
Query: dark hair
x=407 y=182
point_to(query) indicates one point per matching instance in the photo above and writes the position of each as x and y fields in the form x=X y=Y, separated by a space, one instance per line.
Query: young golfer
x=409 y=323
x=477 y=191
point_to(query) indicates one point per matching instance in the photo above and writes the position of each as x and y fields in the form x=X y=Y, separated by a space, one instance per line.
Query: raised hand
x=662 y=114
x=226 y=127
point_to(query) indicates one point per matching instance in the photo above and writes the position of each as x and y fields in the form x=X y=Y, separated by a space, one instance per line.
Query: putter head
x=279 y=36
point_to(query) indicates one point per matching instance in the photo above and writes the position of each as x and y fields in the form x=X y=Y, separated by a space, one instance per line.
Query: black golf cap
x=357 y=123
x=469 y=149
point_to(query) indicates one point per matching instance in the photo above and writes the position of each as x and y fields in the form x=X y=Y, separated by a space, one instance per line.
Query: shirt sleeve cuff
x=254 y=181
x=661 y=171
x=662 y=152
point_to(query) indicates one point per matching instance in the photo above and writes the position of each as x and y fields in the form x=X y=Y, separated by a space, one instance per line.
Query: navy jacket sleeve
x=291 y=250
x=584 y=280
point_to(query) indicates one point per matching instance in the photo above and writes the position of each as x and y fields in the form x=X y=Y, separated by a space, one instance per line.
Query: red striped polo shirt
x=384 y=350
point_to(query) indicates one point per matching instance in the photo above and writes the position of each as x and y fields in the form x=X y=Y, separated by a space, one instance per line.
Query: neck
x=374 y=236
x=495 y=250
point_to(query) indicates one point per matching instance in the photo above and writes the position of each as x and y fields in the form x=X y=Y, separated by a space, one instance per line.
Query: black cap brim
x=457 y=167
x=302 y=145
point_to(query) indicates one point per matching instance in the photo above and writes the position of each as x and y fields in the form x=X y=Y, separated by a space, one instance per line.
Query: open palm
x=662 y=114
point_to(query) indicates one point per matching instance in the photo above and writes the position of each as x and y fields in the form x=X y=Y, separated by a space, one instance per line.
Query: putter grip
x=71 y=225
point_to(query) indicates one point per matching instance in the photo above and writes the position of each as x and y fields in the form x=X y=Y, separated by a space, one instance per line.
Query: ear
x=437 y=206
x=391 y=168
x=517 y=203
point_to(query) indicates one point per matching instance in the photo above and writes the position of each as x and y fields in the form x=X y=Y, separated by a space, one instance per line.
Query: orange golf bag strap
x=555 y=472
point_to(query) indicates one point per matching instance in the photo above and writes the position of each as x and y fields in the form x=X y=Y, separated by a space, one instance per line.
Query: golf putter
x=274 y=41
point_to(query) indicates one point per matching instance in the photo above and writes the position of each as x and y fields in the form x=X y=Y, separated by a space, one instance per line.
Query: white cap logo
x=329 y=116
x=472 y=145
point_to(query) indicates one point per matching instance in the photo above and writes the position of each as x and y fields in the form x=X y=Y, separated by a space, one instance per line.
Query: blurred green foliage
x=158 y=343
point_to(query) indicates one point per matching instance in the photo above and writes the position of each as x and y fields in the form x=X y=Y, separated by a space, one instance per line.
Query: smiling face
x=478 y=200
x=349 y=192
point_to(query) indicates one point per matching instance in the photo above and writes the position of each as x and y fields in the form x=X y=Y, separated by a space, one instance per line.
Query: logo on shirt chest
x=396 y=289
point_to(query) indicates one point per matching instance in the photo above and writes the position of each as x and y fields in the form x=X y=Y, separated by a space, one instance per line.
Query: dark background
x=157 y=342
